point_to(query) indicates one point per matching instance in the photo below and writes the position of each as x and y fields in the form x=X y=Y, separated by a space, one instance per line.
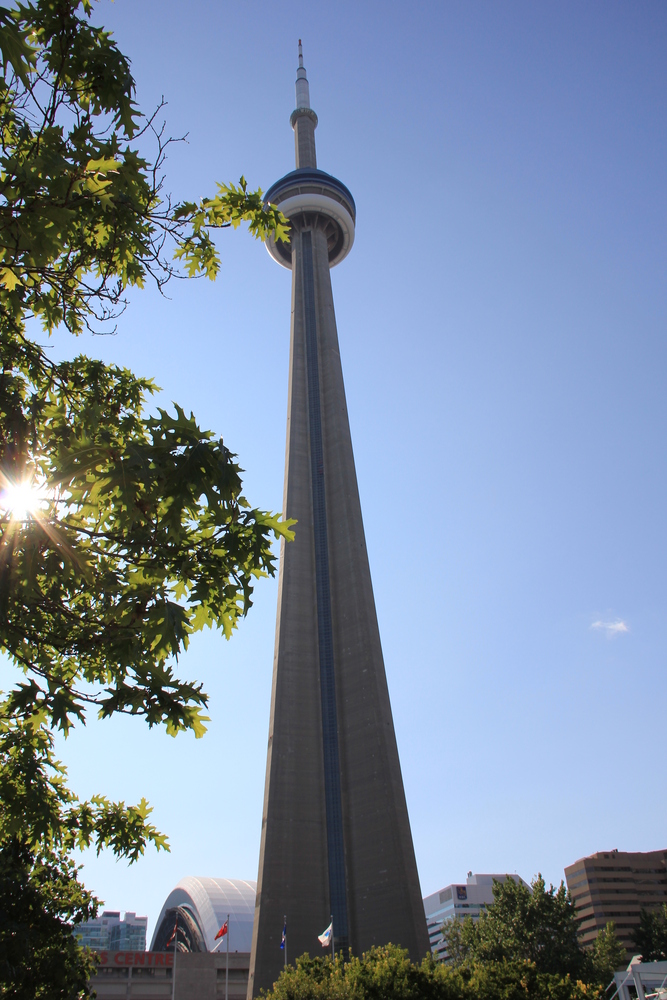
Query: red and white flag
x=223 y=930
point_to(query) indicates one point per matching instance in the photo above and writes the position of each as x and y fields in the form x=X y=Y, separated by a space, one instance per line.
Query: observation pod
x=312 y=198
x=336 y=843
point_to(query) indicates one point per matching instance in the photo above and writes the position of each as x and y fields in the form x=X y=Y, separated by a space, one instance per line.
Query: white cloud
x=611 y=629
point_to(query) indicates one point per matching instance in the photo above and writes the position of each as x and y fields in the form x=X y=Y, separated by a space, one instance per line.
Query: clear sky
x=502 y=321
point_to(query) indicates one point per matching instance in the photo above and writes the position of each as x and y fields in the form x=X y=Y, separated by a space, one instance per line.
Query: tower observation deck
x=336 y=839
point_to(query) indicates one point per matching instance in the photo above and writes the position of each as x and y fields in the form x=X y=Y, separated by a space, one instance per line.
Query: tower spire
x=303 y=119
x=302 y=88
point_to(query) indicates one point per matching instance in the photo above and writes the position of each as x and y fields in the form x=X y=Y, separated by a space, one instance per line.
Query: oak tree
x=122 y=531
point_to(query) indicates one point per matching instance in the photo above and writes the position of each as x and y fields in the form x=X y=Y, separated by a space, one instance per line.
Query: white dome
x=210 y=900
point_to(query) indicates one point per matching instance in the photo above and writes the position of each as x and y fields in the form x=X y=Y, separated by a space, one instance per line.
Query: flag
x=173 y=935
x=284 y=937
x=325 y=937
x=221 y=933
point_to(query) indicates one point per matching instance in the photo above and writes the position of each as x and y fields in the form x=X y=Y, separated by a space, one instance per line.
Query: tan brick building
x=616 y=885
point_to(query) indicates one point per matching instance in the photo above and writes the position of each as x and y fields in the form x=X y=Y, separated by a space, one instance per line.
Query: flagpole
x=333 y=945
x=227 y=965
x=173 y=972
x=285 y=936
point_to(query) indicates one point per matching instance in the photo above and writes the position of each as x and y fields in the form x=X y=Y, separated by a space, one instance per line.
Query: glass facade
x=109 y=933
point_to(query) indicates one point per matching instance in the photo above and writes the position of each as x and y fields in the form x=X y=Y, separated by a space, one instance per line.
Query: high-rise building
x=456 y=902
x=336 y=839
x=111 y=933
x=616 y=885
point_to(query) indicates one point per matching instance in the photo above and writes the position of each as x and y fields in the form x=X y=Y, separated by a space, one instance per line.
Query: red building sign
x=140 y=959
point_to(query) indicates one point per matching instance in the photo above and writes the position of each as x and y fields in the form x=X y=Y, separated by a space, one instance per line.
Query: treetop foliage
x=650 y=938
x=533 y=924
x=386 y=973
x=524 y=947
x=82 y=211
x=537 y=926
x=501 y=957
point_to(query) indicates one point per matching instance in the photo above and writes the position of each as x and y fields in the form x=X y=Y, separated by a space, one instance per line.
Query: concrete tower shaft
x=335 y=832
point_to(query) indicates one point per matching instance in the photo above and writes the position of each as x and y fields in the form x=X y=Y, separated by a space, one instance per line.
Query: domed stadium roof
x=200 y=906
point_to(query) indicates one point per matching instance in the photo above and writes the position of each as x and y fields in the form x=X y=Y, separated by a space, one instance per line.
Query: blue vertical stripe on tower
x=332 y=789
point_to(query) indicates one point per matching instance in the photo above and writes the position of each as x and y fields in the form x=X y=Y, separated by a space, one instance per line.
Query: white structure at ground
x=640 y=981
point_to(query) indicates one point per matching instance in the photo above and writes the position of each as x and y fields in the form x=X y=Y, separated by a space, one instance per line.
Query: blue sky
x=502 y=324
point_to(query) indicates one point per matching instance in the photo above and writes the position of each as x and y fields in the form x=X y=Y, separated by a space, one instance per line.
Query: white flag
x=325 y=937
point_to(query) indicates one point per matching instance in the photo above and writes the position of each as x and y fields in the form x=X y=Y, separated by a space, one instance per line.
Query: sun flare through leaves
x=22 y=499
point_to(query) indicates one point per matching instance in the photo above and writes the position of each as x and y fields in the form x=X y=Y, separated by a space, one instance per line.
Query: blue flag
x=282 y=941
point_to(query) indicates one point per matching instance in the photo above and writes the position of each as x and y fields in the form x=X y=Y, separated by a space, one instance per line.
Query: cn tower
x=336 y=838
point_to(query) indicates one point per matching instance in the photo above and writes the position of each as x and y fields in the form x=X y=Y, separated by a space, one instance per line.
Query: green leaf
x=9 y=279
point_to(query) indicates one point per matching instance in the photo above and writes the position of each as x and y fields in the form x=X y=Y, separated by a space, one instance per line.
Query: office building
x=616 y=885
x=335 y=838
x=111 y=932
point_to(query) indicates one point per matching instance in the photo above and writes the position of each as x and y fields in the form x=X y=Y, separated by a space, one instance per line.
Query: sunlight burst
x=21 y=500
